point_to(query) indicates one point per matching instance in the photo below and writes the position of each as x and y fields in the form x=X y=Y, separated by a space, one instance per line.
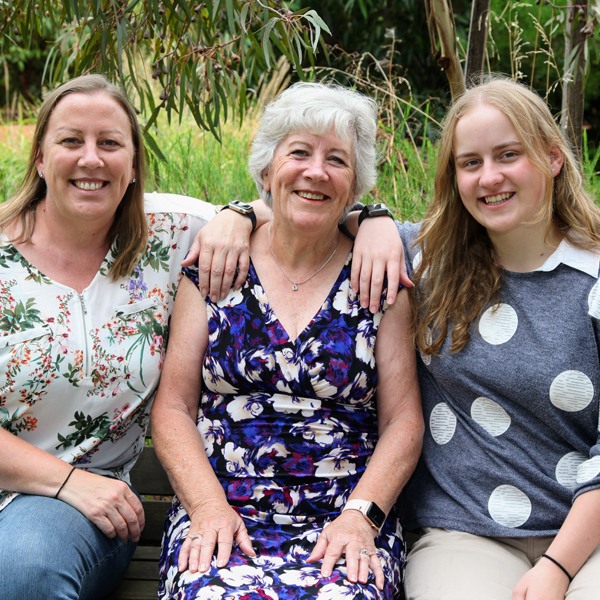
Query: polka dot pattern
x=509 y=506
x=588 y=470
x=490 y=415
x=498 y=326
x=442 y=423
x=566 y=469
x=594 y=301
x=571 y=391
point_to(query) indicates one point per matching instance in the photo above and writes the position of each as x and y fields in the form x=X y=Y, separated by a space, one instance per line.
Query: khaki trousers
x=451 y=565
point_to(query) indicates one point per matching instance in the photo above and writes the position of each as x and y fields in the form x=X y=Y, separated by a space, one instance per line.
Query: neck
x=84 y=237
x=300 y=256
x=525 y=250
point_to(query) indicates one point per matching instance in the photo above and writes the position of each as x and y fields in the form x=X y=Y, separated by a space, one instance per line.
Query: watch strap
x=374 y=210
x=363 y=506
x=237 y=206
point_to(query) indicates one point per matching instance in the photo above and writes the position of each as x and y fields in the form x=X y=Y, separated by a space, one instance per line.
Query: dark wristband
x=243 y=209
x=64 y=483
x=559 y=566
x=374 y=210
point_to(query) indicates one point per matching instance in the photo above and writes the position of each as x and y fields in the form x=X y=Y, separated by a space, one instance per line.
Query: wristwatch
x=243 y=209
x=370 y=510
x=374 y=210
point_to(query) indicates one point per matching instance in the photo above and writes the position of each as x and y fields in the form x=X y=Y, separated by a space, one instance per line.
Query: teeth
x=85 y=185
x=309 y=196
x=497 y=199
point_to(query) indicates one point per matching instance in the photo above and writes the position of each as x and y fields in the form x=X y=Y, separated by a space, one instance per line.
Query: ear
x=266 y=181
x=39 y=161
x=557 y=160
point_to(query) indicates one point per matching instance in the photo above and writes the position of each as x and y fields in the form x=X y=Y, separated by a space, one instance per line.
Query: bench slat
x=156 y=512
x=135 y=590
x=148 y=476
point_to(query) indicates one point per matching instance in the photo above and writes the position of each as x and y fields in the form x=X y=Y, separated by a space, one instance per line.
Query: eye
x=510 y=154
x=338 y=160
x=110 y=143
x=299 y=152
x=71 y=141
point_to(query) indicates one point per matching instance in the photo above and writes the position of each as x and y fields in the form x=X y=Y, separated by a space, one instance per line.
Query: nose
x=316 y=168
x=90 y=156
x=490 y=174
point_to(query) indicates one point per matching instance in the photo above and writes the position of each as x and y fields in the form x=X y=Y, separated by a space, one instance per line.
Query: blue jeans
x=49 y=550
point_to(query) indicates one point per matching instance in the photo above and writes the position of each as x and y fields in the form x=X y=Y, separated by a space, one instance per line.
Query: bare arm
x=576 y=540
x=180 y=446
x=108 y=503
x=377 y=250
x=396 y=454
x=222 y=246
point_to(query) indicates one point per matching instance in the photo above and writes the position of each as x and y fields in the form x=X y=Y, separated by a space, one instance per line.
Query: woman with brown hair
x=88 y=273
x=505 y=266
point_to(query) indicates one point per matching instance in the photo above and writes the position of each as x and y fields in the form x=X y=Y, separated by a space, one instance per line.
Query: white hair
x=315 y=108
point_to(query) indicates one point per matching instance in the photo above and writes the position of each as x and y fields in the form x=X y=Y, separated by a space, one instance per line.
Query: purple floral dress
x=289 y=428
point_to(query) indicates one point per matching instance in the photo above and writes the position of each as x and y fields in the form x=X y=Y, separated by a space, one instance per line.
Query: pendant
x=294 y=288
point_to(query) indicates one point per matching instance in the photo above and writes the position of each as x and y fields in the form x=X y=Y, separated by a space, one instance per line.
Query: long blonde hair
x=129 y=227
x=458 y=275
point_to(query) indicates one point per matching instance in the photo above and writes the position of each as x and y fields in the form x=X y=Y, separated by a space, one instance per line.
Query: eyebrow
x=77 y=130
x=494 y=149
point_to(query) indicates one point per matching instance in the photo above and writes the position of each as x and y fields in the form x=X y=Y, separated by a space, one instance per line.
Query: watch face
x=376 y=515
x=241 y=207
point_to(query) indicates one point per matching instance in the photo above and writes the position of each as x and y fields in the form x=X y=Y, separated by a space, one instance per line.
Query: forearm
x=580 y=533
x=393 y=462
x=181 y=451
x=27 y=469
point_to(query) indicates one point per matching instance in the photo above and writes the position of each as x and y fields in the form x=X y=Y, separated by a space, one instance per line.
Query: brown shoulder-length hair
x=129 y=226
x=458 y=275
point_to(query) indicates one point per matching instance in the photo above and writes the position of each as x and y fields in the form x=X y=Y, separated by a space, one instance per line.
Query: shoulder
x=408 y=233
x=176 y=204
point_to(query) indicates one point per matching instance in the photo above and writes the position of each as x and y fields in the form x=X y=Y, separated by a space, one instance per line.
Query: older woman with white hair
x=290 y=440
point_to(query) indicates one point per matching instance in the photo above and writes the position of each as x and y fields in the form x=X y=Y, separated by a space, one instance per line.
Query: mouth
x=89 y=185
x=311 y=195
x=497 y=199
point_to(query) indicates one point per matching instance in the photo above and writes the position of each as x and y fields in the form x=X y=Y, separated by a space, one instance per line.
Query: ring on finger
x=364 y=552
x=195 y=537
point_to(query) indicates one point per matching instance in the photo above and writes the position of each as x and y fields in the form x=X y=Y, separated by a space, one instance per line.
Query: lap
x=279 y=570
x=445 y=565
x=48 y=549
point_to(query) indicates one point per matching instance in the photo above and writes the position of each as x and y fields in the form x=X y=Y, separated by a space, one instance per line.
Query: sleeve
x=408 y=232
x=588 y=471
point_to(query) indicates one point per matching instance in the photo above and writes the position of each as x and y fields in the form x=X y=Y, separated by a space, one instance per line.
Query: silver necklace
x=295 y=284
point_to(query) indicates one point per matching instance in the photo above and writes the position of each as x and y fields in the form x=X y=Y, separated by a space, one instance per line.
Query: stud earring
x=41 y=175
x=554 y=170
x=133 y=180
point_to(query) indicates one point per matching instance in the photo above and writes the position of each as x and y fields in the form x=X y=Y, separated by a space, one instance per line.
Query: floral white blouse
x=78 y=372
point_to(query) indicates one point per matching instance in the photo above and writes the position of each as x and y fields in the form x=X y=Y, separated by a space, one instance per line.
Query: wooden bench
x=141 y=579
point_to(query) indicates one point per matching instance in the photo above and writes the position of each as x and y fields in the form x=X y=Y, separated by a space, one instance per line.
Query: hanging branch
x=442 y=29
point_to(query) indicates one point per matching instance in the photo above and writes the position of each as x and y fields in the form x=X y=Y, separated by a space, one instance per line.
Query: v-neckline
x=25 y=262
x=315 y=317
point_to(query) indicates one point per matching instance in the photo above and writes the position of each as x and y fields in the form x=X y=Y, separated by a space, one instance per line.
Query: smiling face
x=497 y=183
x=87 y=158
x=311 y=179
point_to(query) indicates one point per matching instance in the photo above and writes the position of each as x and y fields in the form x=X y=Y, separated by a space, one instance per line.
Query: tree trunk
x=440 y=21
x=575 y=66
x=480 y=14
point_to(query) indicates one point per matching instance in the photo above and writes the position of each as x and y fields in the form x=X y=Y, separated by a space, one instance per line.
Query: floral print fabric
x=289 y=428
x=78 y=371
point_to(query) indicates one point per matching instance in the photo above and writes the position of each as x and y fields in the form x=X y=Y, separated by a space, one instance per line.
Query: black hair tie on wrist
x=64 y=483
x=559 y=566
